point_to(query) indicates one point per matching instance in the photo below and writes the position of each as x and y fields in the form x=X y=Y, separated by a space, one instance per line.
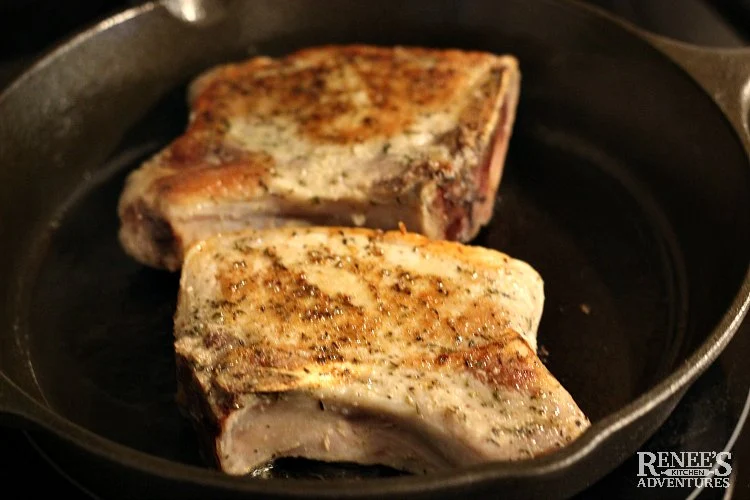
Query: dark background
x=708 y=413
x=28 y=26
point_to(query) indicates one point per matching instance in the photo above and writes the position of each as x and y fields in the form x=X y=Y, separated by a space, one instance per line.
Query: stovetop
x=709 y=417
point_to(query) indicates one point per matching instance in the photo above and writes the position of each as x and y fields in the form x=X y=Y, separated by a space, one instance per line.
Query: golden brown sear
x=334 y=135
x=345 y=344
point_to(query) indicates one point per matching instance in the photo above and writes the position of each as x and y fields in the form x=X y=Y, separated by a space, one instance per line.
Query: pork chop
x=334 y=135
x=345 y=344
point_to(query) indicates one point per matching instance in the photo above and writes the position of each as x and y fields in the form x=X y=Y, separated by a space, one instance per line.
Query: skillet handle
x=19 y=410
x=723 y=73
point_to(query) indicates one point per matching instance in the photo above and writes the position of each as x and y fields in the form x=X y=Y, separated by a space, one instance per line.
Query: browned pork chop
x=335 y=135
x=355 y=345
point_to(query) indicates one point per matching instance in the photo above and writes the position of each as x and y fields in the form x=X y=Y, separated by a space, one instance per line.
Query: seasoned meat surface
x=333 y=135
x=345 y=344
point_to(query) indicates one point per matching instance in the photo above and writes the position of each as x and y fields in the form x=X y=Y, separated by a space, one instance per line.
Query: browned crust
x=238 y=179
x=477 y=342
x=401 y=83
x=338 y=325
x=398 y=83
x=507 y=363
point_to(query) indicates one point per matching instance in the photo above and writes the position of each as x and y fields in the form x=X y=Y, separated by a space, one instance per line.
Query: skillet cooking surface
x=610 y=191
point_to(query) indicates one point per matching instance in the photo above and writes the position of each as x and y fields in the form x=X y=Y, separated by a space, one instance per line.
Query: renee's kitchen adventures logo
x=687 y=469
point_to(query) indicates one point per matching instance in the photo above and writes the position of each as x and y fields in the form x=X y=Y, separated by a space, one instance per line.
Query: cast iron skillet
x=627 y=187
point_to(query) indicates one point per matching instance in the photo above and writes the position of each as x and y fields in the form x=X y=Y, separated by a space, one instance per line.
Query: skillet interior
x=612 y=191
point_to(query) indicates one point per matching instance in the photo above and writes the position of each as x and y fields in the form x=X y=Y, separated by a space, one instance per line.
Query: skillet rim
x=678 y=380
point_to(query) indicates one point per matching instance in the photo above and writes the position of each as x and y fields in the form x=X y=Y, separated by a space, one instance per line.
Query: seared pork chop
x=345 y=344
x=335 y=135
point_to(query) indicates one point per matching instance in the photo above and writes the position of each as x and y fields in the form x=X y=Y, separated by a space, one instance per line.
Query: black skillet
x=627 y=187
